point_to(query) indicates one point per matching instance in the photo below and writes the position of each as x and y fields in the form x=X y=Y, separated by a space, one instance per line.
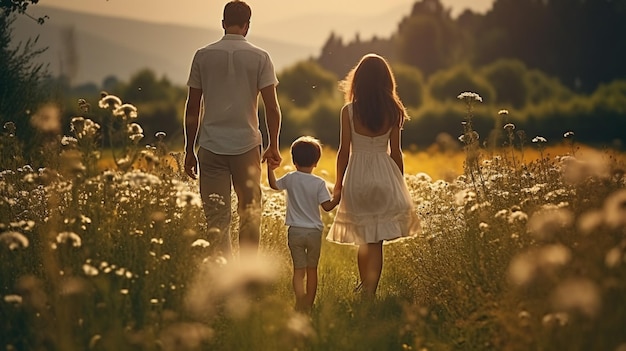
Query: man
x=228 y=76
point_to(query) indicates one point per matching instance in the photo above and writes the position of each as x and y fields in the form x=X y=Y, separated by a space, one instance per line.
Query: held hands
x=337 y=192
x=272 y=156
x=191 y=165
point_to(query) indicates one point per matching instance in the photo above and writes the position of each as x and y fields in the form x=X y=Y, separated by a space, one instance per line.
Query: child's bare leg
x=311 y=286
x=298 y=287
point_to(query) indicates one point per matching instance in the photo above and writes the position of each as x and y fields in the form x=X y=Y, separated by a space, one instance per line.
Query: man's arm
x=273 y=120
x=192 y=122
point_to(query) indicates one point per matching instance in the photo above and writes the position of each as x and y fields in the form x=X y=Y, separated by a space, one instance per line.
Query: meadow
x=523 y=248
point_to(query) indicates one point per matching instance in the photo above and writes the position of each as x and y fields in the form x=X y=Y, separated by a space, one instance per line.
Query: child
x=376 y=205
x=305 y=193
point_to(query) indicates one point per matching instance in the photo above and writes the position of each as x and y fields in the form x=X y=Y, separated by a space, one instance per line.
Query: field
x=523 y=248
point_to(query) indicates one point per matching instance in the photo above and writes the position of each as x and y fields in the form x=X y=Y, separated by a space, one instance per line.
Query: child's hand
x=272 y=165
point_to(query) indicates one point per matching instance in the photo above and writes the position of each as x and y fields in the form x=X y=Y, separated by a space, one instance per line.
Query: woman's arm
x=343 y=154
x=396 y=147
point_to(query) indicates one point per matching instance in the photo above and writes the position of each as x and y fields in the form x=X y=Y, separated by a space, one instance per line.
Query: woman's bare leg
x=370 y=262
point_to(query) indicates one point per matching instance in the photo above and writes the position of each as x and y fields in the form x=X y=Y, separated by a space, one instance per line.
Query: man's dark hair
x=237 y=13
x=306 y=151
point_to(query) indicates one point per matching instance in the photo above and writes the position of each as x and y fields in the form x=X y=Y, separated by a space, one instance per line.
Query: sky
x=208 y=13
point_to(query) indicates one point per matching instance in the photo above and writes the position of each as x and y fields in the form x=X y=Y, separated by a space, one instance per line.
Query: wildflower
x=47 y=119
x=423 y=177
x=158 y=216
x=69 y=141
x=90 y=270
x=93 y=342
x=126 y=111
x=69 y=238
x=502 y=214
x=108 y=176
x=469 y=97
x=135 y=138
x=200 y=243
x=615 y=209
x=77 y=124
x=503 y=112
x=579 y=295
x=188 y=198
x=216 y=199
x=469 y=138
x=555 y=319
x=110 y=101
x=544 y=224
x=10 y=128
x=14 y=240
x=527 y=266
x=15 y=299
x=83 y=105
x=539 y=139
x=614 y=257
x=134 y=128
x=139 y=179
x=517 y=216
x=299 y=325
x=233 y=283
x=91 y=128
x=84 y=127
x=464 y=196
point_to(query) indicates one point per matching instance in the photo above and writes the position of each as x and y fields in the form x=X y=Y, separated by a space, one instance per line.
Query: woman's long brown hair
x=371 y=87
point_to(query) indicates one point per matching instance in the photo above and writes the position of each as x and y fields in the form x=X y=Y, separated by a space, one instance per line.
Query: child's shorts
x=305 y=245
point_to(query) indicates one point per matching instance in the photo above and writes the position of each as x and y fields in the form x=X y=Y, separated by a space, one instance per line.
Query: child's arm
x=271 y=177
x=330 y=204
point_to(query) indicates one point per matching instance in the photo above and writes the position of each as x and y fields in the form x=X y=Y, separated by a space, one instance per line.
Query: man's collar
x=233 y=37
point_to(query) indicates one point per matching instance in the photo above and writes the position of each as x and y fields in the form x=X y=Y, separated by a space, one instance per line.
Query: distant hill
x=89 y=48
x=315 y=28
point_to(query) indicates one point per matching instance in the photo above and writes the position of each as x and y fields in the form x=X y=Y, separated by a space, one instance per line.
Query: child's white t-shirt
x=305 y=193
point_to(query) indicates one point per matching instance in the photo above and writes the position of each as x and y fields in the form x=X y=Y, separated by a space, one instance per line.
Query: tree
x=305 y=82
x=410 y=84
x=448 y=84
x=428 y=39
x=10 y=7
x=22 y=88
x=508 y=77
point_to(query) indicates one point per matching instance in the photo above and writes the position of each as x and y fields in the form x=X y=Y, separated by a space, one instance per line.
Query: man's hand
x=191 y=165
x=272 y=156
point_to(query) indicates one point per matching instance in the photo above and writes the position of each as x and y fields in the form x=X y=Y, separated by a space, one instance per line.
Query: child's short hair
x=306 y=151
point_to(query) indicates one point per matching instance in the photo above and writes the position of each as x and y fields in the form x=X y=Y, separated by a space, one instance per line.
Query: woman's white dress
x=375 y=202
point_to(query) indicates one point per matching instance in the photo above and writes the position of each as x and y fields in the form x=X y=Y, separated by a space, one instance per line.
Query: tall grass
x=524 y=248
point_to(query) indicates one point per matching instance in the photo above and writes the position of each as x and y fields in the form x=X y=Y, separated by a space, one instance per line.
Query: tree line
x=518 y=56
x=577 y=42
